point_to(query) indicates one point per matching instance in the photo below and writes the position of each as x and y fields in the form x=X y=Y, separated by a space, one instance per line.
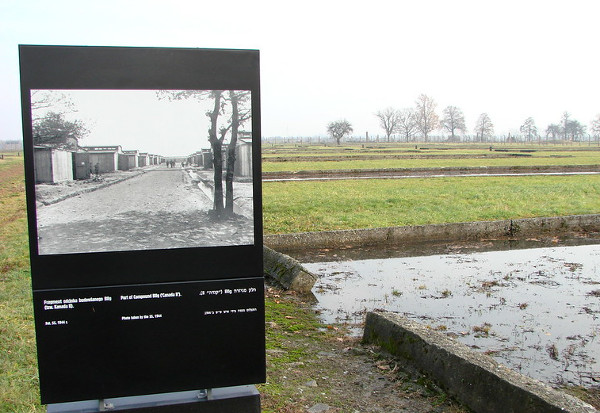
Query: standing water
x=535 y=310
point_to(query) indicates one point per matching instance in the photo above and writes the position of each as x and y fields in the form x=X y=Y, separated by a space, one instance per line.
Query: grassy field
x=295 y=166
x=351 y=204
x=18 y=365
x=310 y=158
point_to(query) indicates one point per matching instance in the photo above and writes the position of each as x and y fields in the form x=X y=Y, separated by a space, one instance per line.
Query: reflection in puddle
x=535 y=310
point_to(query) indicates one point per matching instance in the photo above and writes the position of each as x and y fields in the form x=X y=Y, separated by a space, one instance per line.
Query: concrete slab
x=464 y=231
x=287 y=272
x=473 y=378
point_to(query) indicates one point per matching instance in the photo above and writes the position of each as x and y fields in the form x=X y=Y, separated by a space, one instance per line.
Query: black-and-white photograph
x=123 y=170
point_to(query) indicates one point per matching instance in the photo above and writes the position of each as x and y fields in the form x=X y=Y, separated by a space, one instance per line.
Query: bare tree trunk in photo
x=235 y=124
x=217 y=149
x=217 y=146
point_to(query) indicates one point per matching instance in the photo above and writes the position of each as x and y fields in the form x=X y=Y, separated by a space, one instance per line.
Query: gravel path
x=154 y=210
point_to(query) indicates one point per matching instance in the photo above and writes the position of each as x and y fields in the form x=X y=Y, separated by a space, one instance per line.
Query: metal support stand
x=238 y=399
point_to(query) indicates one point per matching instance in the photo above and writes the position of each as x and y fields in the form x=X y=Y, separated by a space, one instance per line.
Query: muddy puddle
x=534 y=310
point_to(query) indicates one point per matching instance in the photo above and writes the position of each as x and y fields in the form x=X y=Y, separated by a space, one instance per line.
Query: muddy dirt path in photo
x=155 y=210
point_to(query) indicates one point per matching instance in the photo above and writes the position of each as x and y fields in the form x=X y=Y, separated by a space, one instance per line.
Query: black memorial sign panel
x=144 y=210
x=119 y=341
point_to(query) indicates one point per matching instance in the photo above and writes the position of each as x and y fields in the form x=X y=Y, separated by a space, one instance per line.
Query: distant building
x=82 y=169
x=11 y=145
x=130 y=160
x=143 y=159
x=243 y=157
x=58 y=164
x=207 y=162
x=195 y=159
x=103 y=158
x=52 y=165
x=153 y=159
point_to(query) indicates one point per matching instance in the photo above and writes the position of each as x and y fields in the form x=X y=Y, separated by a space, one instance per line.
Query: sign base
x=240 y=399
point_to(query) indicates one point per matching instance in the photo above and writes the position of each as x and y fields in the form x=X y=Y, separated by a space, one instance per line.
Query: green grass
x=295 y=166
x=18 y=365
x=351 y=204
x=288 y=319
x=290 y=330
x=277 y=158
x=444 y=150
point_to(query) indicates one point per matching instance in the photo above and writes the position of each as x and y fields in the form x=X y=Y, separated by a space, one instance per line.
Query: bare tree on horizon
x=407 y=123
x=529 y=129
x=453 y=121
x=388 y=120
x=426 y=118
x=484 y=128
x=338 y=129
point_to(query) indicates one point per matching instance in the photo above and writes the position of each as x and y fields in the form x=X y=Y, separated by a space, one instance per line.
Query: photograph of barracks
x=105 y=198
x=54 y=165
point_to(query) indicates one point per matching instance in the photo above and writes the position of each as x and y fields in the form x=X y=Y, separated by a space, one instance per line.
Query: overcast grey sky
x=326 y=60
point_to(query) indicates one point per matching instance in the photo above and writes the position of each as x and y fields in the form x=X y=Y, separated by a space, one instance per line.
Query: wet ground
x=534 y=310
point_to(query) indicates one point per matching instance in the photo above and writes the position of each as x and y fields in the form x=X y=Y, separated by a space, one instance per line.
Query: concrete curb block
x=287 y=272
x=476 y=380
x=466 y=231
x=557 y=225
